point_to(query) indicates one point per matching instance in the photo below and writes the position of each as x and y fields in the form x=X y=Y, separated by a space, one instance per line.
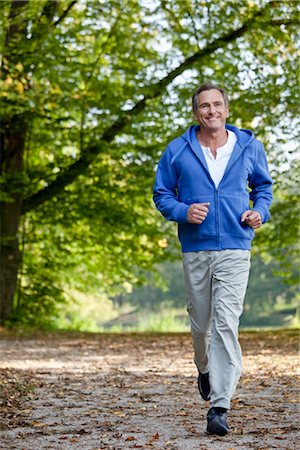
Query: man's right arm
x=165 y=196
x=165 y=191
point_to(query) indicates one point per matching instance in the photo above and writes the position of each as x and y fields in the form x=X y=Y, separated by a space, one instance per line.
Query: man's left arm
x=260 y=183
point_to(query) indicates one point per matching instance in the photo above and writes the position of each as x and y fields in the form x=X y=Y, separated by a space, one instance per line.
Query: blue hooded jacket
x=183 y=178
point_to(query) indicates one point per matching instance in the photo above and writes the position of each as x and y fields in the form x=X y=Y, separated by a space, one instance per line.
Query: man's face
x=212 y=112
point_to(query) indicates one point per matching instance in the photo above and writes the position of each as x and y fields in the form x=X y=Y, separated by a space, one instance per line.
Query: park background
x=91 y=93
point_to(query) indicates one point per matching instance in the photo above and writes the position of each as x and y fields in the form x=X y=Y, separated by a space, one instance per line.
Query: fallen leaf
x=38 y=424
x=181 y=413
x=130 y=438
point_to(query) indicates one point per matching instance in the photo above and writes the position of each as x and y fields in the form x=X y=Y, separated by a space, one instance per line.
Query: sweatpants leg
x=216 y=283
x=229 y=283
x=198 y=281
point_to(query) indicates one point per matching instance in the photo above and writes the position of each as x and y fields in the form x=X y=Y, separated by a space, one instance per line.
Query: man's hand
x=197 y=212
x=252 y=218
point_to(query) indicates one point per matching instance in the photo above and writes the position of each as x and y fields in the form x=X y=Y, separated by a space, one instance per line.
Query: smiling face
x=211 y=112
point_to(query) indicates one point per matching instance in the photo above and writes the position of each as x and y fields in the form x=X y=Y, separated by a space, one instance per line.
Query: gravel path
x=139 y=391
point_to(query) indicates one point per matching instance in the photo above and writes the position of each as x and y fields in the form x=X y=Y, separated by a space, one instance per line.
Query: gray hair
x=208 y=87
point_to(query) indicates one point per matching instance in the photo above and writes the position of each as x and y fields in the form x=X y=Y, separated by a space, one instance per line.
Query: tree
x=91 y=92
x=279 y=239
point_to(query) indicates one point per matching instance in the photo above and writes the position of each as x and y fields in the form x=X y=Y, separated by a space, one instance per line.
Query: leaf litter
x=128 y=391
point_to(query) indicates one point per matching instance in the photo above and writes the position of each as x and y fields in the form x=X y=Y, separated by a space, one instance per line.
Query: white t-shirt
x=217 y=166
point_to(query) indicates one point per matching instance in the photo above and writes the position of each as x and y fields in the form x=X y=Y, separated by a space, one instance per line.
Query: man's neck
x=213 y=140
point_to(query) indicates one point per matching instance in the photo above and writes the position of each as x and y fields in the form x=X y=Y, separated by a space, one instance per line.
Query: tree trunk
x=13 y=133
x=12 y=143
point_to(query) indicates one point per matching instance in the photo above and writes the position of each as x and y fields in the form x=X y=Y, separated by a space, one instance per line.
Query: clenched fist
x=197 y=212
x=252 y=218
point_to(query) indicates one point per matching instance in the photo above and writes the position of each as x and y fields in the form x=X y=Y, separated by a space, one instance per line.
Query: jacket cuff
x=181 y=212
x=264 y=215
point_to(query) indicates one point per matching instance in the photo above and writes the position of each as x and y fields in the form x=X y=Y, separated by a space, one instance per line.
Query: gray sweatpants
x=216 y=283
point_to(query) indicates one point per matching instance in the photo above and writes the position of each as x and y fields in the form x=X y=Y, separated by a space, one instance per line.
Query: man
x=205 y=181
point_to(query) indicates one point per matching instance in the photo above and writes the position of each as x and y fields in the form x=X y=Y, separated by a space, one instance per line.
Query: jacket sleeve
x=260 y=183
x=165 y=191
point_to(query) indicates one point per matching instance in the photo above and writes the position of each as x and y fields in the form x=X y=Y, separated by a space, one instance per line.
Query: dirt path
x=128 y=392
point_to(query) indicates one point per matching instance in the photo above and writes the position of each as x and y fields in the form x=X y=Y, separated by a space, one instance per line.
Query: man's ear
x=227 y=113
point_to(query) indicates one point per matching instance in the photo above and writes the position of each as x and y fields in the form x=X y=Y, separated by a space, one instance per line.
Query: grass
x=99 y=314
x=169 y=320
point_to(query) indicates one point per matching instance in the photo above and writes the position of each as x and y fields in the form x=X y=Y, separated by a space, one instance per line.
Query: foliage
x=280 y=238
x=100 y=88
x=265 y=294
x=161 y=306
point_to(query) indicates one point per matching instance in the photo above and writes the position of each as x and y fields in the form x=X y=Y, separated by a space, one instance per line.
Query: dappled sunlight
x=100 y=391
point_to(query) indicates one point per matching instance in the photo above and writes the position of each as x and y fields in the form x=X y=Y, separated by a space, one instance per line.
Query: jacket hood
x=244 y=137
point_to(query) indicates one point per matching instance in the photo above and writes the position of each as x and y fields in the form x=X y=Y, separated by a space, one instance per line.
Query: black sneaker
x=217 y=421
x=204 y=386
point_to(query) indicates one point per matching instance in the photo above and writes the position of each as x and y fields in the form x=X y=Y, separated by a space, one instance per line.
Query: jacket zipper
x=217 y=215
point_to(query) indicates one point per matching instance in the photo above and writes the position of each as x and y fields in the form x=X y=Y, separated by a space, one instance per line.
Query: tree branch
x=64 y=14
x=66 y=177
x=14 y=29
x=49 y=9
